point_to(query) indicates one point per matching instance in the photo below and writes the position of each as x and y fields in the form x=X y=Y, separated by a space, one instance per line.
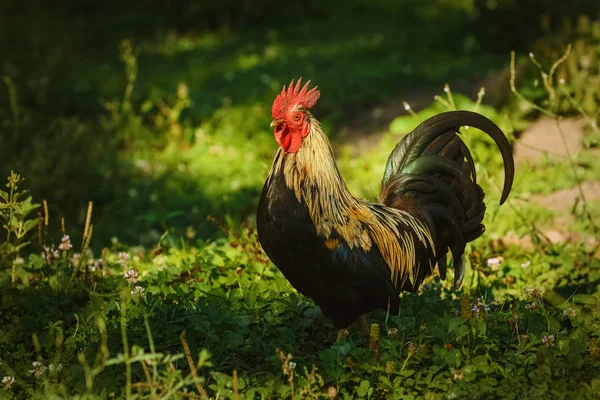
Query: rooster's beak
x=275 y=122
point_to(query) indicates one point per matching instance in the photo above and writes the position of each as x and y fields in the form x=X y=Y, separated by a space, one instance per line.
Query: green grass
x=237 y=309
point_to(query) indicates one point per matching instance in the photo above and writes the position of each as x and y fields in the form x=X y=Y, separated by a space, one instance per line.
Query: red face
x=290 y=130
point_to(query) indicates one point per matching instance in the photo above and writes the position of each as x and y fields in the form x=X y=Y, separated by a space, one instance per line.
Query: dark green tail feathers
x=431 y=172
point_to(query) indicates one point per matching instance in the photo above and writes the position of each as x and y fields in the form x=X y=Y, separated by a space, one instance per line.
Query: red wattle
x=290 y=142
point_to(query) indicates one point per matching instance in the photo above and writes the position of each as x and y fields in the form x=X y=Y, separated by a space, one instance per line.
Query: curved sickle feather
x=435 y=126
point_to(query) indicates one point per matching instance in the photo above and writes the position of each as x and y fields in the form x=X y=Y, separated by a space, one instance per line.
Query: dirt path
x=541 y=140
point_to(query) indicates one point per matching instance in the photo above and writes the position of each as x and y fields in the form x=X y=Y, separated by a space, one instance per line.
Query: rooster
x=353 y=256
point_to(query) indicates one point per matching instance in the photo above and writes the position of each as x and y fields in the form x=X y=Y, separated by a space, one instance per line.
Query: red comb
x=292 y=96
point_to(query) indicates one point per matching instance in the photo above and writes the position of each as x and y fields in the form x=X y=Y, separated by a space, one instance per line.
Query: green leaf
x=586 y=299
x=363 y=388
x=455 y=323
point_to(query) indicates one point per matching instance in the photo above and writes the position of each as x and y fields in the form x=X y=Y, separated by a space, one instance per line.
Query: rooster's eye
x=296 y=117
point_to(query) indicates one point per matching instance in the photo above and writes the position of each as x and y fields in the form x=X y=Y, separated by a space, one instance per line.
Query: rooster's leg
x=364 y=325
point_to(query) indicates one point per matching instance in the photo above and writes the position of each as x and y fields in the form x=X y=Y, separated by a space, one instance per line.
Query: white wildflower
x=38 y=369
x=131 y=276
x=18 y=260
x=138 y=292
x=122 y=258
x=569 y=312
x=8 y=381
x=494 y=261
x=97 y=265
x=65 y=243
x=532 y=292
x=526 y=264
x=548 y=340
x=292 y=365
x=50 y=254
x=55 y=368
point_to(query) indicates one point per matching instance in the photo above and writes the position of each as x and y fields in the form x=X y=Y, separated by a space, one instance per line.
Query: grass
x=161 y=289
x=524 y=325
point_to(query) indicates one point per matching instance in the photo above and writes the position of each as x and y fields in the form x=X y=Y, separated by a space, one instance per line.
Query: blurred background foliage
x=158 y=111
